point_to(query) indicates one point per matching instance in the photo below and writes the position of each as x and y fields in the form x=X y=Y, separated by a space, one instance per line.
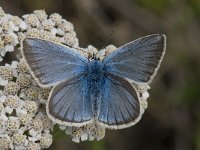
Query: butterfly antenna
x=109 y=37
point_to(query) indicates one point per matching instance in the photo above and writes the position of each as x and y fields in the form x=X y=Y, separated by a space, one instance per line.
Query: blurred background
x=172 y=120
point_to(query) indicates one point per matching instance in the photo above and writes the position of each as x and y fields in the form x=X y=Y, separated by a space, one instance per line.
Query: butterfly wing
x=119 y=105
x=138 y=60
x=69 y=102
x=50 y=62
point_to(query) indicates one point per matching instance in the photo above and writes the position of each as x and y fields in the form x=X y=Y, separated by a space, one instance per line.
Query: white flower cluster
x=87 y=132
x=39 y=25
x=23 y=120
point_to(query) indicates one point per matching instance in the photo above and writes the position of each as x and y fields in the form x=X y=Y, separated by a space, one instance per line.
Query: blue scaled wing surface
x=51 y=63
x=137 y=60
x=119 y=105
x=70 y=103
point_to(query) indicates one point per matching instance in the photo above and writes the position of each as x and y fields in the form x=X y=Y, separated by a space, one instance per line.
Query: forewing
x=137 y=60
x=50 y=62
x=69 y=102
x=119 y=105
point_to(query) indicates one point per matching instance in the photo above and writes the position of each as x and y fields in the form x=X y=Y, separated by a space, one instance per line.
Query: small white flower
x=56 y=18
x=59 y=32
x=24 y=80
x=41 y=14
x=3 y=121
x=1 y=107
x=9 y=48
x=11 y=88
x=7 y=73
x=32 y=93
x=66 y=26
x=91 y=50
x=84 y=137
x=91 y=138
x=14 y=64
x=143 y=101
x=11 y=103
x=19 y=139
x=2 y=98
x=33 y=146
x=43 y=95
x=54 y=31
x=47 y=25
x=37 y=124
x=33 y=32
x=62 y=127
x=4 y=117
x=8 y=110
x=13 y=124
x=3 y=82
x=46 y=140
x=76 y=139
x=34 y=134
x=23 y=25
x=90 y=132
x=1 y=12
x=25 y=119
x=5 y=142
x=3 y=52
x=31 y=20
x=145 y=95
x=13 y=27
x=22 y=67
x=20 y=110
x=31 y=106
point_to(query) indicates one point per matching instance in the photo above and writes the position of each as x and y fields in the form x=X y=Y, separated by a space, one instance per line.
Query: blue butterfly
x=93 y=90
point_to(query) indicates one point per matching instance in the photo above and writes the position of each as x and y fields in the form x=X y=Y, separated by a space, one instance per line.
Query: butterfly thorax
x=95 y=71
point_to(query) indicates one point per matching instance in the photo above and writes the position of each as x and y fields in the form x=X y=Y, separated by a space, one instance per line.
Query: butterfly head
x=95 y=56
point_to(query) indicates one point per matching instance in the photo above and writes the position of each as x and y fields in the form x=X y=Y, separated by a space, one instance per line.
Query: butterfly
x=86 y=90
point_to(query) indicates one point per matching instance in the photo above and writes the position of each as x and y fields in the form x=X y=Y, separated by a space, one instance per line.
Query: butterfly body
x=95 y=78
x=86 y=90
